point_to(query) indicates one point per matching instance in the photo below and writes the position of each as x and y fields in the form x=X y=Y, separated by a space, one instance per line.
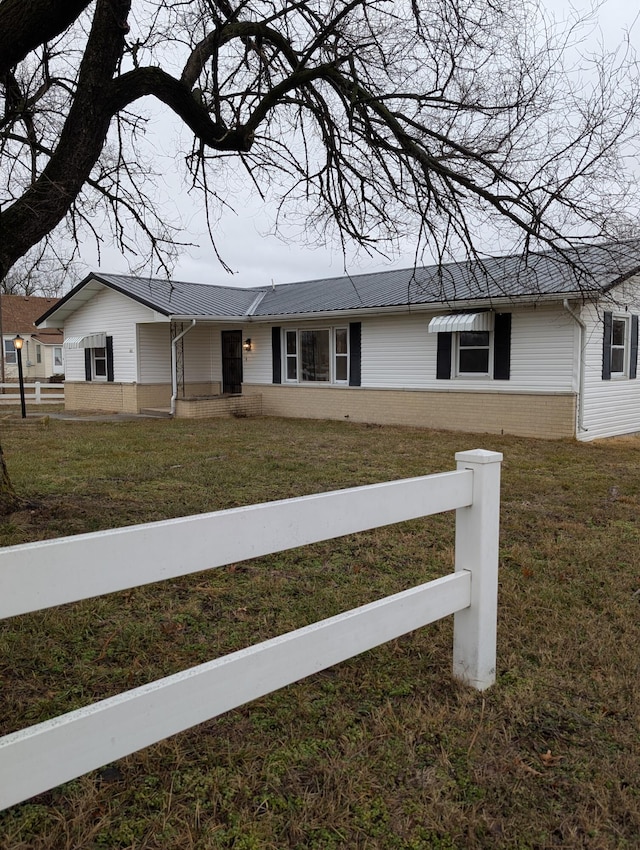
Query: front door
x=232 y=362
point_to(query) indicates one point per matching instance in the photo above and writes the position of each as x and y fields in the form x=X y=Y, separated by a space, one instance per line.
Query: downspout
x=174 y=367
x=581 y=370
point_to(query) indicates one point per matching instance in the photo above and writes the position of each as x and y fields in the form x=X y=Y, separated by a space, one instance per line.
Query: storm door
x=232 y=362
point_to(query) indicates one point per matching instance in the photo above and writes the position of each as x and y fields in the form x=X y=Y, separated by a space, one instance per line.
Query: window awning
x=98 y=340
x=462 y=322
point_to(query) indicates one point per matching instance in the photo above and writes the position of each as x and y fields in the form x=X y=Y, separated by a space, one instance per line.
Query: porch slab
x=158 y=412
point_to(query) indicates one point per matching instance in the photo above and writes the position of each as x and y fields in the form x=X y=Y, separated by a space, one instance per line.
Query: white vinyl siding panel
x=544 y=350
x=117 y=316
x=199 y=344
x=398 y=352
x=257 y=363
x=610 y=407
x=154 y=353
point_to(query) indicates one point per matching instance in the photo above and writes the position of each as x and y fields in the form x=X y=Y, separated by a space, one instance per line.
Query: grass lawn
x=386 y=750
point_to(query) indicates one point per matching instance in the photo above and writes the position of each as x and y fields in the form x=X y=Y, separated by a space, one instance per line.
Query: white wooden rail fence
x=33 y=392
x=47 y=573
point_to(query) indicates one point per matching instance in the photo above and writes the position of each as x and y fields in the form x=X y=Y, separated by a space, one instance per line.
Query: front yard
x=383 y=751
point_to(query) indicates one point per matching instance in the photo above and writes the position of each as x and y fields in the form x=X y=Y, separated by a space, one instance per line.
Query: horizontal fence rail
x=39 y=575
x=36 y=392
x=54 y=572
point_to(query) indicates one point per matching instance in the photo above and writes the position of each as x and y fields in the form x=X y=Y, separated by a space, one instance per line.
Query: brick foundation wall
x=204 y=408
x=127 y=398
x=98 y=395
x=550 y=416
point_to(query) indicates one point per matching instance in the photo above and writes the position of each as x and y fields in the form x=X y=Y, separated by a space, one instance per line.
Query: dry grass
x=384 y=751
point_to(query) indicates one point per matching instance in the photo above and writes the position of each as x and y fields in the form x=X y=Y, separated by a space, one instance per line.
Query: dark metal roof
x=588 y=270
x=591 y=269
x=176 y=298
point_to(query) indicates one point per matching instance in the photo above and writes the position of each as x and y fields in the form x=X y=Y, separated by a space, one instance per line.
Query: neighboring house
x=42 y=352
x=506 y=345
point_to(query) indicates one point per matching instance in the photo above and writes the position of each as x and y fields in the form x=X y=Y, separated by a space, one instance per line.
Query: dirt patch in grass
x=385 y=750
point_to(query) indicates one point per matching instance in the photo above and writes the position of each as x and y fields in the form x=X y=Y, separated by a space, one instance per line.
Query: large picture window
x=316 y=355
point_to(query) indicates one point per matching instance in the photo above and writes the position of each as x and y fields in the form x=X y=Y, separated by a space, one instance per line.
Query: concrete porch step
x=158 y=412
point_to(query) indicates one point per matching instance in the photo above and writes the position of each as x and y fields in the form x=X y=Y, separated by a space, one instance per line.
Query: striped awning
x=462 y=322
x=98 y=340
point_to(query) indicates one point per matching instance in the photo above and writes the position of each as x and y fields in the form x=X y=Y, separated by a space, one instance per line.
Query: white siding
x=257 y=363
x=398 y=351
x=613 y=406
x=116 y=315
x=199 y=344
x=154 y=353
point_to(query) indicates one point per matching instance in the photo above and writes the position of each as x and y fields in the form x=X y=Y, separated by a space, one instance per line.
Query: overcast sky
x=258 y=258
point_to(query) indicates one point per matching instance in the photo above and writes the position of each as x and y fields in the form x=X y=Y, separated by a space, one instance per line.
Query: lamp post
x=17 y=344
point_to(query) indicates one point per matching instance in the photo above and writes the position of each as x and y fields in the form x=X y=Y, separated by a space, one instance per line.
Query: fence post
x=37 y=389
x=477 y=536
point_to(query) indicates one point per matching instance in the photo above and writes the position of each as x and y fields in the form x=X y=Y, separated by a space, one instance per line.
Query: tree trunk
x=8 y=500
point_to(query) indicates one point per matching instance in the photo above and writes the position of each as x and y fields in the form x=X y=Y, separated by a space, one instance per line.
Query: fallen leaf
x=549 y=760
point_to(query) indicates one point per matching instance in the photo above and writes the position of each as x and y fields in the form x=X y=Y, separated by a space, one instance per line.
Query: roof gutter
x=174 y=365
x=581 y=365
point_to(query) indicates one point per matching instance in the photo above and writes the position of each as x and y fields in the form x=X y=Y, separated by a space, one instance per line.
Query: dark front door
x=232 y=362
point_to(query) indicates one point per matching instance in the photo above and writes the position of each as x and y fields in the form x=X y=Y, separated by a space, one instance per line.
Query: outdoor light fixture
x=18 y=342
x=247 y=344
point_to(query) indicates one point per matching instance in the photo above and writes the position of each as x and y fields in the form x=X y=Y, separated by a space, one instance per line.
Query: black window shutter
x=109 y=358
x=276 y=349
x=502 y=347
x=606 y=347
x=87 y=364
x=355 y=354
x=443 y=363
x=633 y=363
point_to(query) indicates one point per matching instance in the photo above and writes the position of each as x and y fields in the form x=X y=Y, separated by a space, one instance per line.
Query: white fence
x=35 y=392
x=47 y=573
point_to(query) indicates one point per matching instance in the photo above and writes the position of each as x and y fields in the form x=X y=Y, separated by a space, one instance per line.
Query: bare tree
x=39 y=272
x=439 y=119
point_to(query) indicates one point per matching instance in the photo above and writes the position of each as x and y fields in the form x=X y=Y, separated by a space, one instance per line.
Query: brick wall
x=522 y=414
x=202 y=408
x=126 y=398
x=98 y=395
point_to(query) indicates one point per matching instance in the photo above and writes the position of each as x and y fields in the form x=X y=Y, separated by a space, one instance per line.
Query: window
x=477 y=353
x=291 y=354
x=99 y=364
x=474 y=352
x=315 y=358
x=38 y=353
x=318 y=355
x=620 y=348
x=10 y=356
x=57 y=357
x=342 y=355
